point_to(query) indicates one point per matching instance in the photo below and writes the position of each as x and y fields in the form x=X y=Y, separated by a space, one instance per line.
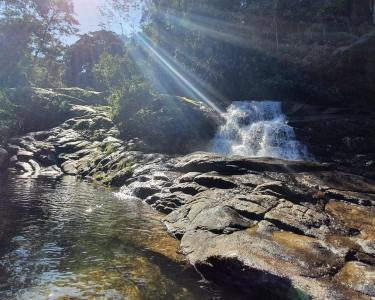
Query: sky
x=88 y=15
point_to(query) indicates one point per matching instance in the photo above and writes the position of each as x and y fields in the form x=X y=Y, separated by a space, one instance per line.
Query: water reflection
x=68 y=240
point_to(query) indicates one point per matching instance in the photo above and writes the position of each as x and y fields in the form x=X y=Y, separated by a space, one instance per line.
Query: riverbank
x=285 y=229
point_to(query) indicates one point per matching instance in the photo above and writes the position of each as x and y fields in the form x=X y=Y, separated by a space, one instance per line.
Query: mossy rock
x=87 y=96
x=170 y=124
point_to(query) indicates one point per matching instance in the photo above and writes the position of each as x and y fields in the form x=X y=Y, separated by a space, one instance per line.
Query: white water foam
x=258 y=129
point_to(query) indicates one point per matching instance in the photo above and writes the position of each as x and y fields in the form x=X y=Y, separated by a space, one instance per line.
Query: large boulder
x=172 y=125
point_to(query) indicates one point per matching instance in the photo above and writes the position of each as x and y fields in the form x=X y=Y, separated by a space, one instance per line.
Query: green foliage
x=112 y=71
x=120 y=172
x=128 y=90
x=30 y=35
x=8 y=118
x=83 y=55
x=47 y=73
x=27 y=109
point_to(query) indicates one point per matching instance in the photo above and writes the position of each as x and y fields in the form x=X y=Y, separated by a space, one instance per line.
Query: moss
x=292 y=240
x=109 y=148
x=252 y=230
x=119 y=178
x=83 y=125
x=101 y=122
x=170 y=124
x=74 y=95
x=117 y=174
x=99 y=177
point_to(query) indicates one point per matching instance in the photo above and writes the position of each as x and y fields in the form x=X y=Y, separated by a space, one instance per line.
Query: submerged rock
x=358 y=276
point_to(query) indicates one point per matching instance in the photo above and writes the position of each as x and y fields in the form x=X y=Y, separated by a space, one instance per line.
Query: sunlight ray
x=143 y=41
x=231 y=33
x=188 y=57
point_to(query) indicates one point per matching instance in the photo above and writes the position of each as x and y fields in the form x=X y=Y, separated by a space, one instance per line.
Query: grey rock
x=214 y=181
x=188 y=188
x=296 y=218
x=4 y=156
x=189 y=177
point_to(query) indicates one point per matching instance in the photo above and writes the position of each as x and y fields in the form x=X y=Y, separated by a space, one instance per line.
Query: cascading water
x=258 y=129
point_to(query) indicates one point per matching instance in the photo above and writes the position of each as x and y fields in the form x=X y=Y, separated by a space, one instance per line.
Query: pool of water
x=66 y=239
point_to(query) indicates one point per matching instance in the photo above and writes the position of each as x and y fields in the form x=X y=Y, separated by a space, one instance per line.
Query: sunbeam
x=145 y=44
x=237 y=34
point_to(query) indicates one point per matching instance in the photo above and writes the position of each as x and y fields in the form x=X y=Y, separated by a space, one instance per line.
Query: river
x=67 y=239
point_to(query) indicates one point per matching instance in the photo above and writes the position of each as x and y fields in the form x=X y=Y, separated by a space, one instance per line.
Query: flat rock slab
x=280 y=229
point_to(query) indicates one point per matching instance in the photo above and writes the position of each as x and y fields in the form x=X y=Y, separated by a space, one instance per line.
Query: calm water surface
x=66 y=239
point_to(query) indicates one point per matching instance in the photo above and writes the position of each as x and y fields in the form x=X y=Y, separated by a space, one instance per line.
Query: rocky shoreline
x=274 y=229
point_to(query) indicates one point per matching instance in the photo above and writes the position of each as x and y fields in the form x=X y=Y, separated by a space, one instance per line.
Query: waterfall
x=258 y=129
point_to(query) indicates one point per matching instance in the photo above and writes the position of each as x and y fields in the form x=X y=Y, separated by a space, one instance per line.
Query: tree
x=85 y=53
x=128 y=88
x=126 y=14
x=31 y=33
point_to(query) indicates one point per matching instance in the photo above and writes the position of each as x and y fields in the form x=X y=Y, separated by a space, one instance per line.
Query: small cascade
x=258 y=129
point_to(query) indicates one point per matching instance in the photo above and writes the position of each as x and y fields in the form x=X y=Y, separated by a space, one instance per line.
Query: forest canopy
x=212 y=51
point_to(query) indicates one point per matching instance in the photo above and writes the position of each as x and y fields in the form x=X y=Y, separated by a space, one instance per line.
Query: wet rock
x=296 y=224
x=282 y=190
x=219 y=219
x=368 y=247
x=73 y=146
x=358 y=276
x=353 y=217
x=143 y=192
x=70 y=167
x=188 y=188
x=253 y=205
x=102 y=122
x=267 y=262
x=168 y=199
x=52 y=171
x=352 y=197
x=207 y=162
x=24 y=168
x=4 y=156
x=214 y=181
x=24 y=154
x=189 y=177
x=119 y=178
x=47 y=159
x=41 y=135
x=296 y=218
x=36 y=167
